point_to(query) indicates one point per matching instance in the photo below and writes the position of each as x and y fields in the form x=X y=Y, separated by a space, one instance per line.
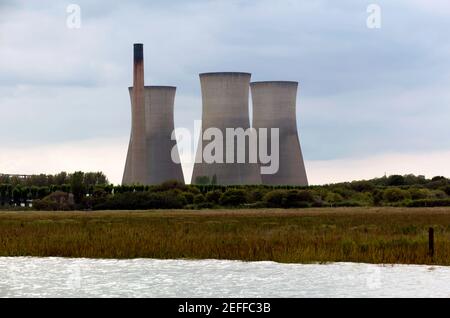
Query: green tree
x=77 y=186
x=395 y=180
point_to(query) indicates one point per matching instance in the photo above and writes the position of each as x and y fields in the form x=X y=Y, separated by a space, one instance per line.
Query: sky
x=371 y=101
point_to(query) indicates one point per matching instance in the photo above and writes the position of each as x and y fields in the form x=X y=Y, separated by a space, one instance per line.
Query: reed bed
x=369 y=235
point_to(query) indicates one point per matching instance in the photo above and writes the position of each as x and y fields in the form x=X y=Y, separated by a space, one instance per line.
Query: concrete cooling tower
x=274 y=106
x=149 y=159
x=225 y=105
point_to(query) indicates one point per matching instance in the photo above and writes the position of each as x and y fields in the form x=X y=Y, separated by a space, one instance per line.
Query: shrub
x=447 y=190
x=364 y=198
x=289 y=198
x=233 y=197
x=274 y=198
x=395 y=195
x=420 y=193
x=377 y=197
x=297 y=199
x=213 y=196
x=362 y=186
x=99 y=193
x=172 y=199
x=205 y=205
x=428 y=203
x=193 y=189
x=349 y=203
x=303 y=195
x=199 y=198
x=343 y=191
x=172 y=185
x=438 y=194
x=395 y=180
x=56 y=201
x=333 y=198
x=189 y=197
x=164 y=200
x=255 y=195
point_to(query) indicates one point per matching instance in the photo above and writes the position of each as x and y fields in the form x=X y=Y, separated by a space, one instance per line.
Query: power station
x=153 y=156
x=149 y=159
x=225 y=105
x=274 y=106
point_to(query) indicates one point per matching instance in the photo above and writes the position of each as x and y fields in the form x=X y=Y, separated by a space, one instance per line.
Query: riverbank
x=368 y=235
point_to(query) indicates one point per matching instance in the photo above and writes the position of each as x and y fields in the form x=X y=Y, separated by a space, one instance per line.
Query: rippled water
x=65 y=277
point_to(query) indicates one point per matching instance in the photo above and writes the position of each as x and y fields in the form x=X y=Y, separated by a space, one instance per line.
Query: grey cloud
x=361 y=91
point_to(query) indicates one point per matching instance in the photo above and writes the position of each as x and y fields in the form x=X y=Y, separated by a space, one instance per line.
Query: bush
x=428 y=203
x=420 y=193
x=377 y=197
x=289 y=198
x=172 y=185
x=56 y=201
x=395 y=195
x=256 y=195
x=362 y=186
x=297 y=199
x=274 y=198
x=189 y=197
x=364 y=198
x=233 y=197
x=172 y=199
x=213 y=196
x=343 y=191
x=438 y=194
x=193 y=189
x=349 y=203
x=446 y=189
x=205 y=205
x=395 y=180
x=333 y=198
x=199 y=198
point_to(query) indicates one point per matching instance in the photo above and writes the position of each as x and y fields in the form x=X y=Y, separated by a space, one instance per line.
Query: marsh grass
x=370 y=235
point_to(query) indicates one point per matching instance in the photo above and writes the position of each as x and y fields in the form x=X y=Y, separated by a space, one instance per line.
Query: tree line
x=92 y=191
x=21 y=191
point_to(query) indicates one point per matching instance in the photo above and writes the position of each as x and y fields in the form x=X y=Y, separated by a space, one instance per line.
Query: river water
x=67 y=277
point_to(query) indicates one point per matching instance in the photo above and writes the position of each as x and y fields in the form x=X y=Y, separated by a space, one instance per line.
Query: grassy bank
x=373 y=235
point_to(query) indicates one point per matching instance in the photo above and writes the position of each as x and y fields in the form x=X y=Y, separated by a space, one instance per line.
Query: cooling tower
x=274 y=106
x=159 y=124
x=225 y=105
x=149 y=159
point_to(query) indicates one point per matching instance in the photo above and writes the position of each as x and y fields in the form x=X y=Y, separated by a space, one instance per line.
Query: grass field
x=372 y=235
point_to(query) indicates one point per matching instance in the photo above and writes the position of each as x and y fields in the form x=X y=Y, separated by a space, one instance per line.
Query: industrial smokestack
x=274 y=106
x=225 y=105
x=138 y=172
x=159 y=125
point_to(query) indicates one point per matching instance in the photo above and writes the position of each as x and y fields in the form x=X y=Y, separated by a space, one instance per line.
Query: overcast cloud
x=365 y=94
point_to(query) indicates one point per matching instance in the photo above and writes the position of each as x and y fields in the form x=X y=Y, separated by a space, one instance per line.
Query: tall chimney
x=138 y=141
x=149 y=158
